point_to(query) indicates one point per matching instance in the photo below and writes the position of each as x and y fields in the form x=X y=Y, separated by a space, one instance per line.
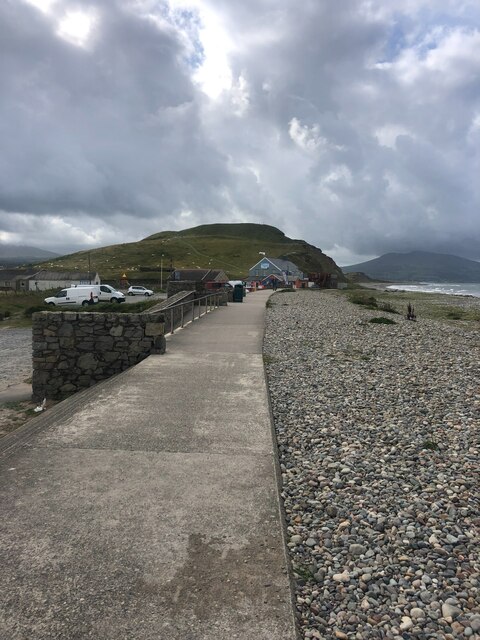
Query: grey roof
x=200 y=275
x=64 y=275
x=15 y=274
x=283 y=265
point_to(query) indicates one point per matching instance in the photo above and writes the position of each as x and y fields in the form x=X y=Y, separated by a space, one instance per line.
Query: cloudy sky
x=354 y=125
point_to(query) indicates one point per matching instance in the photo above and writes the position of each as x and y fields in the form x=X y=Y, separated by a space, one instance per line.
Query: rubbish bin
x=238 y=293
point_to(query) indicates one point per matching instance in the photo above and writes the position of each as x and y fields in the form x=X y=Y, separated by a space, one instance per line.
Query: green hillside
x=231 y=247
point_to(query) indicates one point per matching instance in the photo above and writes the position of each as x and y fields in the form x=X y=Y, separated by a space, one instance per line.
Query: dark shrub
x=382 y=320
x=364 y=300
x=29 y=311
x=386 y=306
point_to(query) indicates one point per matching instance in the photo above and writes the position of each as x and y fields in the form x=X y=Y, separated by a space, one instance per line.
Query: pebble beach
x=377 y=429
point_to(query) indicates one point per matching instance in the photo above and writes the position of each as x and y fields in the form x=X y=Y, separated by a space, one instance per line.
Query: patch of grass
x=14 y=304
x=364 y=300
x=432 y=306
x=14 y=414
x=267 y=359
x=455 y=314
x=386 y=306
x=14 y=405
x=18 y=308
x=382 y=320
x=304 y=573
x=451 y=312
x=29 y=311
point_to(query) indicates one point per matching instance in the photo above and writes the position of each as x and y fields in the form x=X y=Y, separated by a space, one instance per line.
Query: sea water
x=450 y=288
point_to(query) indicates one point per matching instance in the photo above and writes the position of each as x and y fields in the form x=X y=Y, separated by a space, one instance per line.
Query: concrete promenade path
x=146 y=508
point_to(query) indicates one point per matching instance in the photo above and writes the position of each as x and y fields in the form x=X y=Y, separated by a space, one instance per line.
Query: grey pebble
x=378 y=447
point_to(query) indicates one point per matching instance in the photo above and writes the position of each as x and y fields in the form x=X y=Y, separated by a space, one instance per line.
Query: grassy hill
x=419 y=266
x=231 y=247
x=357 y=276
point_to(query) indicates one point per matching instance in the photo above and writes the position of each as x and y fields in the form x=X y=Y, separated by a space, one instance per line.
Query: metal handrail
x=211 y=302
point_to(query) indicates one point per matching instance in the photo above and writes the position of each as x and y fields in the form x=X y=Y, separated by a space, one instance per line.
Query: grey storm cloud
x=354 y=126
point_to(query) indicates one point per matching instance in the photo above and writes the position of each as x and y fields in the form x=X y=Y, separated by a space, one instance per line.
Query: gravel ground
x=15 y=356
x=377 y=429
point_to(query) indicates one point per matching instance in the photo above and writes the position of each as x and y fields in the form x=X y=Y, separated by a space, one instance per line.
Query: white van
x=105 y=292
x=109 y=293
x=75 y=296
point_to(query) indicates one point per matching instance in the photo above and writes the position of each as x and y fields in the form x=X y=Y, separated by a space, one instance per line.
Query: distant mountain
x=12 y=254
x=232 y=247
x=419 y=266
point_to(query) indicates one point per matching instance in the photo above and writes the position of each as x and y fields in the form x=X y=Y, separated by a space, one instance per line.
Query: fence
x=178 y=314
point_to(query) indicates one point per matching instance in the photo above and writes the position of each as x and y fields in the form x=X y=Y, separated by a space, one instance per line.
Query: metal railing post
x=212 y=301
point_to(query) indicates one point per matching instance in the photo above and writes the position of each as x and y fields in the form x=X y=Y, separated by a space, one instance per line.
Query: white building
x=45 y=280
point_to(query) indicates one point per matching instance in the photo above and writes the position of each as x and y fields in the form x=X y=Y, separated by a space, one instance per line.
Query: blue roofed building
x=269 y=270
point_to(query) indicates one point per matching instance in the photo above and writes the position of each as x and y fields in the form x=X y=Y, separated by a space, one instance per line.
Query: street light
x=161 y=271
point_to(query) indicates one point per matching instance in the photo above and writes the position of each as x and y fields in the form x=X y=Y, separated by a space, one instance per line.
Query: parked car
x=105 y=292
x=136 y=290
x=74 y=296
x=109 y=293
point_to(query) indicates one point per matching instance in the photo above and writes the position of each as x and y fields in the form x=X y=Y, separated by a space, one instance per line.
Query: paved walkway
x=147 y=507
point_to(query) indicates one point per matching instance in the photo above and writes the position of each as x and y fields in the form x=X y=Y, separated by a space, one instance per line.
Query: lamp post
x=161 y=271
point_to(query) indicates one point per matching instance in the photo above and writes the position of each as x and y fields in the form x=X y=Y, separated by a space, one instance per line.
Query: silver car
x=139 y=291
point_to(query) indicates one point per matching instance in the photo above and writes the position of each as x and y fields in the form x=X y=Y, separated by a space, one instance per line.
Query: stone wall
x=72 y=351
